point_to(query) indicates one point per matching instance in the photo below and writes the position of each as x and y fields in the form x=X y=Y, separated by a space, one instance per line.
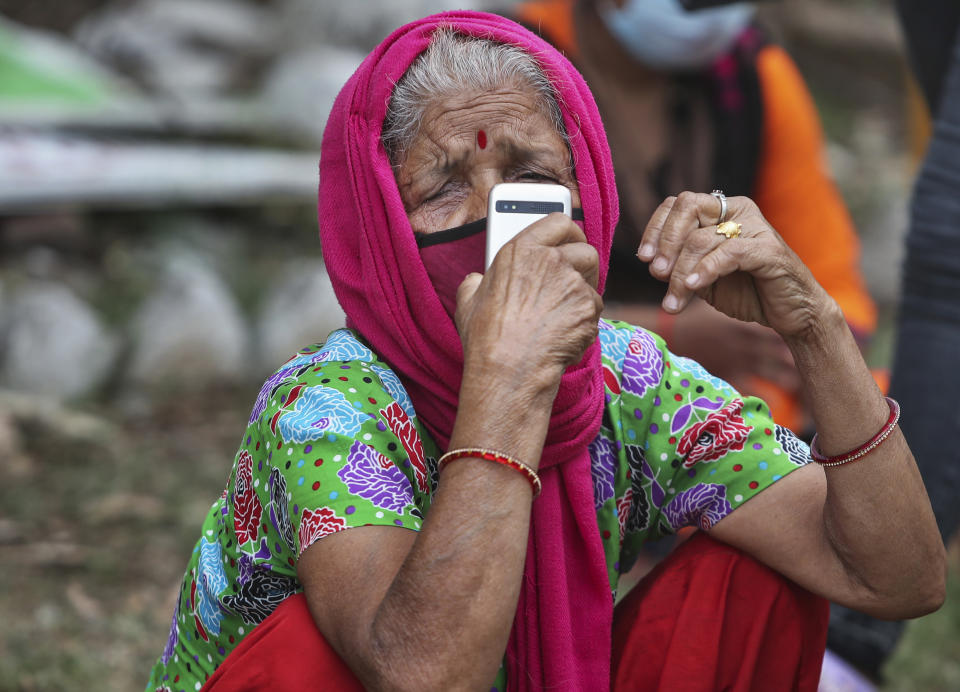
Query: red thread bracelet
x=497 y=457
x=866 y=447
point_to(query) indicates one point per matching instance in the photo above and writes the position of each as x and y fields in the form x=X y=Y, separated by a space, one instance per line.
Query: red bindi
x=481 y=139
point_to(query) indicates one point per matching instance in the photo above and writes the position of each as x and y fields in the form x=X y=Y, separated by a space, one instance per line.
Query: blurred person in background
x=696 y=100
x=925 y=376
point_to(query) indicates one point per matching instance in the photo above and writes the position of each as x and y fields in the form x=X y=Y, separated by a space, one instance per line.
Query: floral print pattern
x=211 y=581
x=279 y=511
x=642 y=364
x=247 y=508
x=315 y=412
x=633 y=512
x=614 y=343
x=400 y=425
x=173 y=638
x=712 y=439
x=374 y=477
x=694 y=368
x=333 y=442
x=317 y=523
x=702 y=505
x=603 y=463
x=642 y=477
x=259 y=595
x=343 y=345
x=391 y=383
x=797 y=450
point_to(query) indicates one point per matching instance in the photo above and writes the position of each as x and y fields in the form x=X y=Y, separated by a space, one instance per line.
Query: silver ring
x=722 y=198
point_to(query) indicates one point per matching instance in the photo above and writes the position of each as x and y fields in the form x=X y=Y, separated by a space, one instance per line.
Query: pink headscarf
x=561 y=633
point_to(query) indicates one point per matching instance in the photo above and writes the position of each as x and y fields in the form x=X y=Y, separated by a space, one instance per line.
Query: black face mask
x=447 y=264
x=449 y=235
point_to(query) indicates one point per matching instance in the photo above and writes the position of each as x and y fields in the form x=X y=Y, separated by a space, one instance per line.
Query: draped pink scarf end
x=562 y=629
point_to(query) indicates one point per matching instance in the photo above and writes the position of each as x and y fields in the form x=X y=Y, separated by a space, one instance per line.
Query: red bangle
x=866 y=447
x=491 y=455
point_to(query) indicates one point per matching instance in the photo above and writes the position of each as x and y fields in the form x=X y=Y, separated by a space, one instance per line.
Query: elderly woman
x=498 y=459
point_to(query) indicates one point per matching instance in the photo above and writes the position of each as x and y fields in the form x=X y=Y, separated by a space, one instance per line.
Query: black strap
x=458 y=233
x=467 y=230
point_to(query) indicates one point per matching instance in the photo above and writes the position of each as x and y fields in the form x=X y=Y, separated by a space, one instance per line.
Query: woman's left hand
x=755 y=277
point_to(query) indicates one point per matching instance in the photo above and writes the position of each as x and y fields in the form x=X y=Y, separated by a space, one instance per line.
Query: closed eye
x=537 y=177
x=444 y=189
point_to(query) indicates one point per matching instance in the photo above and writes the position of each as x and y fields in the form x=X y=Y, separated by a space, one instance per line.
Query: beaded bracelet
x=491 y=455
x=863 y=449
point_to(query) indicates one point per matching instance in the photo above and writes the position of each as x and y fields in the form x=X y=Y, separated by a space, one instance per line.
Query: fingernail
x=660 y=264
x=670 y=302
x=645 y=252
x=692 y=280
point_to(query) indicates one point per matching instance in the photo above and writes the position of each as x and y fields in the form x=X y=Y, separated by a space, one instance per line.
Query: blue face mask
x=662 y=35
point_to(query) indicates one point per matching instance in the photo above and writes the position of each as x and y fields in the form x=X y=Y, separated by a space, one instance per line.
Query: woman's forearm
x=443 y=617
x=457 y=590
x=877 y=516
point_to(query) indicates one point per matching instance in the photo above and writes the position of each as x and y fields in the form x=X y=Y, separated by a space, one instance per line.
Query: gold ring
x=731 y=229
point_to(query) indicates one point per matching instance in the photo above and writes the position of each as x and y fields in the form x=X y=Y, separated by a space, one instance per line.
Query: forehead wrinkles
x=518 y=129
x=464 y=114
x=489 y=109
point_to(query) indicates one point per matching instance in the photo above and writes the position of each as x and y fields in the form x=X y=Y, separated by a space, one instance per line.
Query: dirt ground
x=98 y=515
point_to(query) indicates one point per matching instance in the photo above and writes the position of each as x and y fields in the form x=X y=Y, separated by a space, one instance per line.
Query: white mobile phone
x=512 y=207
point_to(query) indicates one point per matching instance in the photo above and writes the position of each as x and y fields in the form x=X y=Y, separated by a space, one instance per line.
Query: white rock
x=42 y=169
x=41 y=262
x=181 y=47
x=300 y=309
x=189 y=331
x=55 y=343
x=299 y=91
x=364 y=23
x=233 y=24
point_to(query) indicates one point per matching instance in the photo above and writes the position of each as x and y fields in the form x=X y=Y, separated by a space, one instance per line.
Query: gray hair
x=451 y=64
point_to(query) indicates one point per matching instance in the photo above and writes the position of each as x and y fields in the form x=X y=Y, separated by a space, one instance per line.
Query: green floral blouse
x=333 y=442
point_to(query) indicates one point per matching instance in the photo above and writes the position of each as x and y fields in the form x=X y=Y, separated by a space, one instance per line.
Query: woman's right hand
x=537 y=307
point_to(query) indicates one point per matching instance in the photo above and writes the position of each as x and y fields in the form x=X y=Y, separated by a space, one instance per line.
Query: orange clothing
x=793 y=188
x=794 y=191
x=796 y=195
x=554 y=18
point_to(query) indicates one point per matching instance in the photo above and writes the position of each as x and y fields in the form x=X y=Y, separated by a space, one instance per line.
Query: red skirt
x=706 y=618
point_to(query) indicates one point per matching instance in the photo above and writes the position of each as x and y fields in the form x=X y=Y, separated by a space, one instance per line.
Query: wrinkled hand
x=753 y=278
x=733 y=350
x=537 y=306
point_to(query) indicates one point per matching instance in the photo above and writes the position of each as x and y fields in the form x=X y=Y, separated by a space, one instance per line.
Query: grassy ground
x=94 y=536
x=929 y=656
x=98 y=515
